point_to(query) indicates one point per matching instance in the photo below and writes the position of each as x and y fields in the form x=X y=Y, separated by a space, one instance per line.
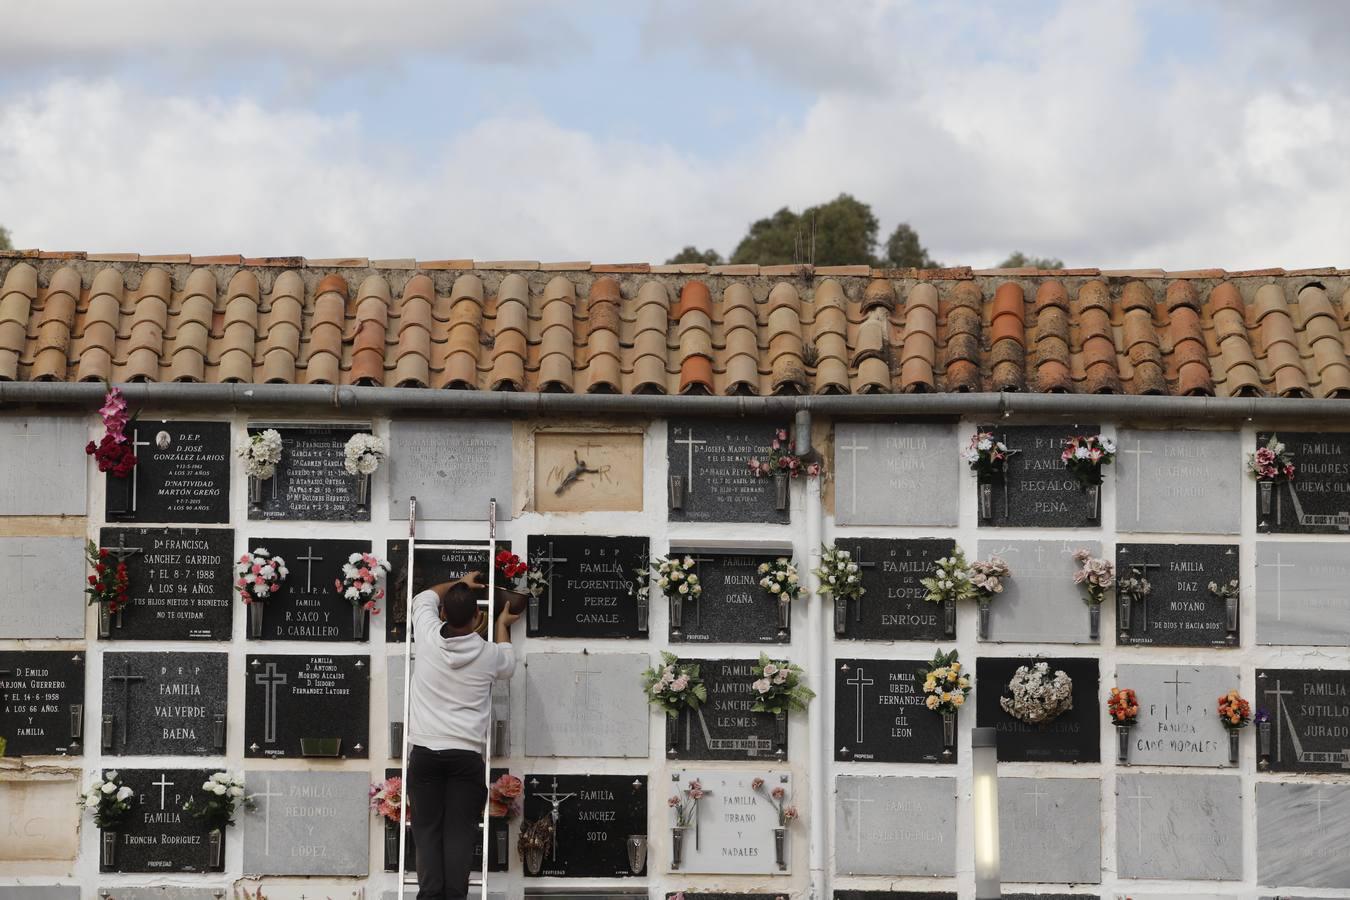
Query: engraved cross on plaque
x=1280 y=713
x=1139 y=797
x=1036 y=794
x=1141 y=570
x=135 y=442
x=270 y=679
x=1319 y=801
x=582 y=677
x=550 y=559
x=163 y=784
x=554 y=799
x=859 y=800
x=309 y=560
x=1279 y=565
x=689 y=442
x=1138 y=453
x=267 y=796
x=1176 y=684
x=21 y=556
x=856 y=554
x=860 y=682
x=127 y=679
x=853 y=449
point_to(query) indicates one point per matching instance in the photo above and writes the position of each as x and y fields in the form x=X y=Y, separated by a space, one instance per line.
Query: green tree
x=841 y=232
x=5 y=243
x=692 y=254
x=903 y=250
x=1019 y=260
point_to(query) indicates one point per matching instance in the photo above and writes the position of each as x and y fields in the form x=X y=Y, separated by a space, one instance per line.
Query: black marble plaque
x=1073 y=737
x=733 y=608
x=308 y=607
x=712 y=456
x=311 y=482
x=435 y=565
x=500 y=829
x=589 y=583
x=1038 y=491
x=722 y=895
x=596 y=815
x=725 y=727
x=1317 y=501
x=164 y=704
x=896 y=895
x=159 y=837
x=182 y=474
x=892 y=607
x=879 y=714
x=1309 y=718
x=181 y=583
x=1180 y=611
x=42 y=702
x=316 y=706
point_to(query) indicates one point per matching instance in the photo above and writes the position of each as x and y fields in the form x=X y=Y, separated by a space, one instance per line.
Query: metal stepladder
x=491 y=608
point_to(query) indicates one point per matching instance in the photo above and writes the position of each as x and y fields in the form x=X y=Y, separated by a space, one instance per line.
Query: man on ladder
x=450 y=707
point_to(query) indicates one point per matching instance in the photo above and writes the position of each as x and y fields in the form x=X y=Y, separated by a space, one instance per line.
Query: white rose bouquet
x=1037 y=696
x=839 y=575
x=259 y=574
x=950 y=579
x=363 y=454
x=678 y=575
x=261 y=454
x=222 y=794
x=108 y=799
x=779 y=579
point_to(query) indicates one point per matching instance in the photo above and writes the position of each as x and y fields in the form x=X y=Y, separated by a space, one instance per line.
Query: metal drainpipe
x=817 y=718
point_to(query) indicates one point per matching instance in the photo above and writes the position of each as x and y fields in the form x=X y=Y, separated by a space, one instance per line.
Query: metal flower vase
x=840 y=615
x=1234 y=748
x=784 y=617
x=255 y=492
x=390 y=845
x=948 y=733
x=1123 y=743
x=676 y=613
x=676 y=492
x=363 y=491
x=1266 y=491
x=780 y=734
x=1232 y=605
x=1124 y=603
x=358 y=622
x=1094 y=620
x=105 y=621
x=500 y=837
x=1094 y=496
x=672 y=736
x=677 y=846
x=986 y=502
x=780 y=847
x=1263 y=744
x=255 y=619
x=215 y=842
x=637 y=853
x=780 y=490
x=107 y=856
x=949 y=617
x=984 y=618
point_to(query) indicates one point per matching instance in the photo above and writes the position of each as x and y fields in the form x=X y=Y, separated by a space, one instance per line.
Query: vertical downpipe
x=817 y=721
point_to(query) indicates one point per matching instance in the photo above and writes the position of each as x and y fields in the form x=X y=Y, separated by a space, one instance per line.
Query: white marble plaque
x=1187 y=482
x=122 y=892
x=1040 y=603
x=894 y=825
x=39 y=819
x=896 y=474
x=45 y=595
x=307 y=823
x=40 y=892
x=1302 y=593
x=1050 y=830
x=46 y=467
x=1179 y=826
x=733 y=832
x=1300 y=835
x=453 y=467
x=1178 y=718
x=585 y=704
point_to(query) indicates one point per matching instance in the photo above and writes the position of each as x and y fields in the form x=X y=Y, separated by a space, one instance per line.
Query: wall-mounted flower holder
x=76 y=723
x=501 y=720
x=1122 y=743
x=840 y=615
x=106 y=733
x=358 y=623
x=948 y=733
x=984 y=612
x=500 y=858
x=1232 y=605
x=1124 y=606
x=390 y=845
x=1263 y=744
x=325 y=748
x=784 y=617
x=363 y=491
x=215 y=843
x=780 y=847
x=105 y=621
x=637 y=853
x=986 y=502
x=676 y=613
x=1094 y=620
x=677 y=847
x=949 y=617
x=255 y=619
x=780 y=735
x=1094 y=496
x=532 y=613
x=643 y=611
x=218 y=732
x=395 y=740
x=534 y=861
x=255 y=492
x=119 y=495
x=1266 y=491
x=1233 y=745
x=676 y=491
x=107 y=857
x=672 y=737
x=781 y=487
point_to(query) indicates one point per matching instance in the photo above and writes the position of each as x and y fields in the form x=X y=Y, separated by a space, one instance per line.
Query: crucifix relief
x=128 y=678
x=554 y=800
x=270 y=679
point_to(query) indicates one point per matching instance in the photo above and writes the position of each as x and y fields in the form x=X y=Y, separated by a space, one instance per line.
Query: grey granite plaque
x=42 y=702
x=159 y=836
x=52 y=569
x=181 y=583
x=1317 y=500
x=1300 y=835
x=1187 y=482
x=892 y=607
x=1179 y=826
x=307 y=823
x=1180 y=610
x=164 y=704
x=1038 y=490
x=725 y=727
x=1050 y=830
x=40 y=892
x=895 y=474
x=1178 y=718
x=892 y=825
x=453 y=468
x=1302 y=593
x=1040 y=603
x=125 y=892
x=733 y=608
x=52 y=449
x=585 y=704
x=1309 y=719
x=710 y=461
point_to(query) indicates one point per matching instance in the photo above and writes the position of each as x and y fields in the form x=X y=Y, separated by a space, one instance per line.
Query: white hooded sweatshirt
x=450 y=705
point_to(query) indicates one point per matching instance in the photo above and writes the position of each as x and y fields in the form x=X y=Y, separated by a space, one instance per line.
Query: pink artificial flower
x=257 y=568
x=1289 y=472
x=275 y=588
x=776 y=445
x=813 y=470
x=778 y=793
x=673 y=801
x=245 y=558
x=757 y=784
x=1265 y=456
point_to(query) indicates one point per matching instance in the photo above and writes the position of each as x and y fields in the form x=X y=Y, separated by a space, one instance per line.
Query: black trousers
x=446 y=794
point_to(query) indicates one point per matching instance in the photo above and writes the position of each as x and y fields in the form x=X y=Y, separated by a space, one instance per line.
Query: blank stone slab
x=49 y=568
x=452 y=467
x=1179 y=826
x=888 y=474
x=1040 y=603
x=893 y=825
x=307 y=823
x=1178 y=725
x=1300 y=835
x=52 y=446
x=40 y=892
x=1050 y=830
x=1301 y=593
x=121 y=892
x=1186 y=482
x=39 y=819
x=585 y=704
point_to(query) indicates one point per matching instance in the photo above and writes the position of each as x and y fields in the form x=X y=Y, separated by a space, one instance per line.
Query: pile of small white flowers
x=261 y=454
x=1035 y=696
x=259 y=574
x=364 y=453
x=950 y=579
x=222 y=783
x=677 y=575
x=780 y=579
x=839 y=574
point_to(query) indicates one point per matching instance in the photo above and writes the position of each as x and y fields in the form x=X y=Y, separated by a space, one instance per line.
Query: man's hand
x=474 y=580
x=504 y=621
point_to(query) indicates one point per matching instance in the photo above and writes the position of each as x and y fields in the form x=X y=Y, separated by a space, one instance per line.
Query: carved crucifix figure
x=555 y=800
x=577 y=471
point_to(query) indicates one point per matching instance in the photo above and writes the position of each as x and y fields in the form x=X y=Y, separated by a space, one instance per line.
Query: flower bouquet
x=1122 y=709
x=503 y=805
x=1229 y=593
x=109 y=583
x=779 y=686
x=786 y=815
x=508 y=593
x=1096 y=575
x=261 y=454
x=362 y=455
x=1235 y=714
x=686 y=809
x=945 y=689
x=674 y=687
x=1037 y=696
x=839 y=578
x=385 y=800
x=258 y=575
x=1270 y=465
x=781 y=463
x=114 y=454
x=950 y=584
x=986 y=576
x=360 y=585
x=988 y=458
x=1084 y=456
x=222 y=794
x=110 y=802
x=678 y=579
x=1130 y=591
x=779 y=579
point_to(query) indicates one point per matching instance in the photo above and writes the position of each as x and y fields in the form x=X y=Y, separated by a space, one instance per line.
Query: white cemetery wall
x=518 y=522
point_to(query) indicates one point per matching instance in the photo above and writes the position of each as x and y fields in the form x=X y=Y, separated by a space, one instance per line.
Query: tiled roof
x=527 y=326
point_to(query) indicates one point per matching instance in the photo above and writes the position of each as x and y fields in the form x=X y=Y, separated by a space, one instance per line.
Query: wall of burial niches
x=180 y=688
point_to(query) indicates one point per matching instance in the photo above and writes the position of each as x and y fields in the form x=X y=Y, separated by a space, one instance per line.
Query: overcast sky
x=1106 y=133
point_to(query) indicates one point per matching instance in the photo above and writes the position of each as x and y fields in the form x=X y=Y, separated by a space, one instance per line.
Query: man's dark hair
x=460 y=605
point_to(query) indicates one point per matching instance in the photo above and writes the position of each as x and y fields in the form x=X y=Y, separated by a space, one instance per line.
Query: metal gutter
x=372 y=400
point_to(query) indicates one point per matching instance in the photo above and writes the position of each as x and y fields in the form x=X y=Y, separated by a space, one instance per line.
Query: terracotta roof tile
x=18 y=299
x=1007 y=339
x=740 y=334
x=1051 y=339
x=1240 y=375
x=456 y=357
x=828 y=350
x=239 y=336
x=604 y=364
